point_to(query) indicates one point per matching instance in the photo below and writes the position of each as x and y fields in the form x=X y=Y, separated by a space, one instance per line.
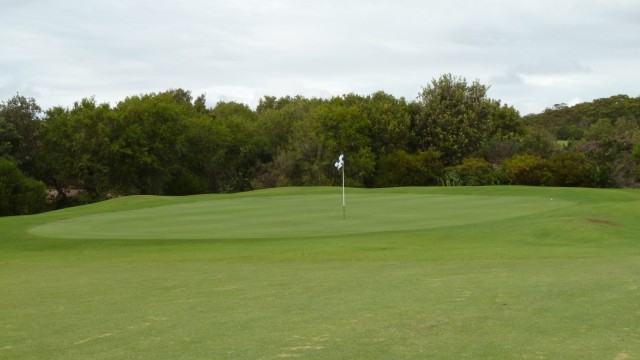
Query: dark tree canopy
x=19 y=124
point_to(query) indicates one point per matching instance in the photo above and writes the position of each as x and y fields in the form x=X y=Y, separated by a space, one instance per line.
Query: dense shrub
x=403 y=169
x=473 y=172
x=570 y=169
x=19 y=194
x=527 y=170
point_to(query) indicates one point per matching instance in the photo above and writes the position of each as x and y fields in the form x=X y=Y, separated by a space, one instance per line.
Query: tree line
x=171 y=143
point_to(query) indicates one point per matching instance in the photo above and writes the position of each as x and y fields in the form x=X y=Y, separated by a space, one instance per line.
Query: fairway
x=424 y=273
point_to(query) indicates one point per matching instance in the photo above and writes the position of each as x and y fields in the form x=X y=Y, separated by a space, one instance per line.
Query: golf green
x=298 y=215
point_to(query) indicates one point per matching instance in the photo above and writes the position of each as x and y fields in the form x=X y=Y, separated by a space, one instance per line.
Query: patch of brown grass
x=602 y=222
x=622 y=356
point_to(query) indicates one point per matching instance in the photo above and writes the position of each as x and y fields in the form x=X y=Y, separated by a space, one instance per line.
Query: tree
x=239 y=146
x=570 y=123
x=601 y=130
x=390 y=120
x=457 y=118
x=74 y=149
x=332 y=127
x=539 y=142
x=144 y=141
x=403 y=169
x=9 y=139
x=202 y=152
x=608 y=146
x=24 y=115
x=19 y=194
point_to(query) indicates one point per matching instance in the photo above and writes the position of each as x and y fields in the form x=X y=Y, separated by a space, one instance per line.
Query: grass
x=443 y=273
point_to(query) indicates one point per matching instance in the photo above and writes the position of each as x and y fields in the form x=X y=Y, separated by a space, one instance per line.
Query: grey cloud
x=243 y=49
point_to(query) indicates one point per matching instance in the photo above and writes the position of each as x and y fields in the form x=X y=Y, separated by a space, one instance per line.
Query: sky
x=532 y=54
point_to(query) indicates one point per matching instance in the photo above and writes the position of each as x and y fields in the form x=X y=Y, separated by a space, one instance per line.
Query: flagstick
x=340 y=164
x=344 y=216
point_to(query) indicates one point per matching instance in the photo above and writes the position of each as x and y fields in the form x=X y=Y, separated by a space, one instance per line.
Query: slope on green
x=297 y=214
x=447 y=273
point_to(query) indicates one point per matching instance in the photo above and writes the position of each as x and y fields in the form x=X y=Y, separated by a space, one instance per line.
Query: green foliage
x=570 y=169
x=201 y=152
x=19 y=194
x=390 y=120
x=150 y=144
x=145 y=141
x=305 y=136
x=403 y=169
x=609 y=148
x=9 y=139
x=601 y=130
x=21 y=117
x=75 y=147
x=527 y=170
x=472 y=172
x=238 y=146
x=605 y=132
x=170 y=143
x=571 y=123
x=498 y=150
x=457 y=119
x=276 y=124
x=636 y=153
x=538 y=142
x=450 y=178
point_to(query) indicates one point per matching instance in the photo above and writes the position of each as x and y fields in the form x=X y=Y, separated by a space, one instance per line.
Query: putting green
x=287 y=215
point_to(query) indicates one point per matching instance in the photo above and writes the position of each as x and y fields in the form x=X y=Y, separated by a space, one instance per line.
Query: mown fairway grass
x=432 y=273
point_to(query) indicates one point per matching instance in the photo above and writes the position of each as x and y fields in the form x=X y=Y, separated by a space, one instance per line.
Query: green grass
x=437 y=273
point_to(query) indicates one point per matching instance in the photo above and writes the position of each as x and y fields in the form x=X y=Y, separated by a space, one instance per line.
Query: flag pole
x=344 y=212
x=340 y=165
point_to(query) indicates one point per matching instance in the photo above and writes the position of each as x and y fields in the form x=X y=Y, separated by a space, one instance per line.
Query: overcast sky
x=533 y=54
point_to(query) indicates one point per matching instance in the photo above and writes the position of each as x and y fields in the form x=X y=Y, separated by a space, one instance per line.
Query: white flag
x=340 y=162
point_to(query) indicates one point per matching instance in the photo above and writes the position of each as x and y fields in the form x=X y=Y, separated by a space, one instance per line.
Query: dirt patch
x=622 y=356
x=602 y=222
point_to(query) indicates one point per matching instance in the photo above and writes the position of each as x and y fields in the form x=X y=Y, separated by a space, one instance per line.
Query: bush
x=403 y=169
x=450 y=178
x=571 y=169
x=473 y=172
x=19 y=194
x=527 y=170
